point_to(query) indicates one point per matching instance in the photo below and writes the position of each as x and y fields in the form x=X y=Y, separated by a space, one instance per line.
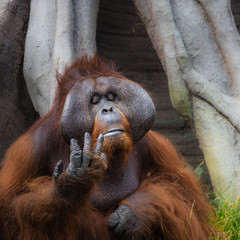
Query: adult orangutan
x=92 y=169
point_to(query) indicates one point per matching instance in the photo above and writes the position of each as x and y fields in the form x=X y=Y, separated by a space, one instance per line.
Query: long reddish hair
x=171 y=187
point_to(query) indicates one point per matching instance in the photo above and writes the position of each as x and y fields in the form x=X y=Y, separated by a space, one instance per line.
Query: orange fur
x=122 y=142
x=169 y=201
x=169 y=196
x=172 y=196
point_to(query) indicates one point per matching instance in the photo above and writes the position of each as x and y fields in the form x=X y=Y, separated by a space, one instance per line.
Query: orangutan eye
x=95 y=99
x=110 y=97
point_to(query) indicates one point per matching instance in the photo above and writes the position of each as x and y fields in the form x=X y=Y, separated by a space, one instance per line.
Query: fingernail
x=60 y=163
x=73 y=140
x=87 y=134
x=104 y=157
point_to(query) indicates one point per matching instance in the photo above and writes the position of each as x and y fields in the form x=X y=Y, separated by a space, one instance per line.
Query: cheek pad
x=138 y=108
x=76 y=118
x=134 y=103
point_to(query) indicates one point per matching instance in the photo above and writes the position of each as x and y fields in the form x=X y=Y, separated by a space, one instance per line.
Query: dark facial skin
x=106 y=97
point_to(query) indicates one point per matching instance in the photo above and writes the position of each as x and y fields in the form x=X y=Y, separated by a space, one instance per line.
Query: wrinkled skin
x=128 y=98
x=84 y=164
x=123 y=222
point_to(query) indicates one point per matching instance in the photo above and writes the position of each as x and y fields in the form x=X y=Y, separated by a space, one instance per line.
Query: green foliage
x=199 y=170
x=227 y=218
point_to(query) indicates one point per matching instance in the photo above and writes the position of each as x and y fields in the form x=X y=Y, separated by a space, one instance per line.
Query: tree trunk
x=17 y=111
x=58 y=32
x=199 y=47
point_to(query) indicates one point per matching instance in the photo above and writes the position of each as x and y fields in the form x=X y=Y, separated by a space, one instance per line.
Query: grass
x=227 y=218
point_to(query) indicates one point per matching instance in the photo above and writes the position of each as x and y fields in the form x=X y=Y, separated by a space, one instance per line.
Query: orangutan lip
x=113 y=131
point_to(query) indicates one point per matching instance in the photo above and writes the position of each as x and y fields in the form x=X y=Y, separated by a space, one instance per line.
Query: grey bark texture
x=16 y=109
x=58 y=32
x=199 y=47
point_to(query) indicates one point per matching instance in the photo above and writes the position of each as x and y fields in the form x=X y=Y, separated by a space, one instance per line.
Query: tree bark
x=58 y=32
x=199 y=47
x=17 y=111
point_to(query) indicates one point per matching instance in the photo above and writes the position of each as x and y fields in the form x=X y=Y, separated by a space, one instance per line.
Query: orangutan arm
x=52 y=206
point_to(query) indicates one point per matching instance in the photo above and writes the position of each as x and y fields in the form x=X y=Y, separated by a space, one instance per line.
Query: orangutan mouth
x=113 y=131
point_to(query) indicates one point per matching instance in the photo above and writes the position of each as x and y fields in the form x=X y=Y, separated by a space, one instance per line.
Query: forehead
x=103 y=81
x=100 y=84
